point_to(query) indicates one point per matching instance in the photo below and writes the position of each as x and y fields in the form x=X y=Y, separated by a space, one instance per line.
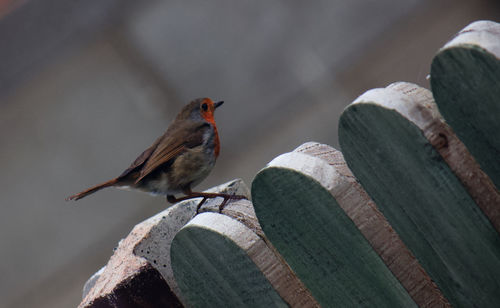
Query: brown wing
x=172 y=144
x=141 y=159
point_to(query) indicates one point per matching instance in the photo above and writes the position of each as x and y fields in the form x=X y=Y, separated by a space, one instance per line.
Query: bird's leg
x=223 y=204
x=227 y=197
x=199 y=205
x=173 y=199
x=205 y=195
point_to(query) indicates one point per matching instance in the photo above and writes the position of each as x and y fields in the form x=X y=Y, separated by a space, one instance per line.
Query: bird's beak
x=217 y=104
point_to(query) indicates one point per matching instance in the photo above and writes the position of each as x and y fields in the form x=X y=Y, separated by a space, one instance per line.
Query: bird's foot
x=229 y=197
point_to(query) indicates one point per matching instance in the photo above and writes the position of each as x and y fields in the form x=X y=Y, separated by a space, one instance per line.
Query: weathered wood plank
x=212 y=266
x=269 y=261
x=262 y=254
x=364 y=213
x=465 y=80
x=294 y=203
x=382 y=135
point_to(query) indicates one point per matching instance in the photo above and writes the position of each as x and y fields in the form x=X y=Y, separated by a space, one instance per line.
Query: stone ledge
x=139 y=271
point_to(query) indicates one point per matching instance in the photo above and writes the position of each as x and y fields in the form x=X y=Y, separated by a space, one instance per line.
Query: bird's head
x=200 y=109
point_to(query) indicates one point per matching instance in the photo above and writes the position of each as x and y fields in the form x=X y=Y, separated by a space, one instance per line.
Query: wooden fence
x=407 y=215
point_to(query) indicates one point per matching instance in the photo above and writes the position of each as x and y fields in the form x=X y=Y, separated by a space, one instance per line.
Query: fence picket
x=382 y=135
x=465 y=80
x=294 y=201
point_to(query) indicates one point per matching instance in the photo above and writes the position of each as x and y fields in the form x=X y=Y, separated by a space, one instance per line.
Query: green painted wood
x=421 y=198
x=319 y=242
x=212 y=270
x=361 y=209
x=465 y=80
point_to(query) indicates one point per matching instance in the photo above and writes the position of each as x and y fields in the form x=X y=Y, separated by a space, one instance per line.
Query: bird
x=178 y=160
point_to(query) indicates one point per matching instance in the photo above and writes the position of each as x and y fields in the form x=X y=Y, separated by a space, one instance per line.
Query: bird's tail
x=92 y=190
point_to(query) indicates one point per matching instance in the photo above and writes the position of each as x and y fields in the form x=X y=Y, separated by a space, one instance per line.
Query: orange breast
x=216 y=142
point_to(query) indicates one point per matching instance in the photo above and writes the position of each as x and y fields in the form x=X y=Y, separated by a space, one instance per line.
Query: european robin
x=177 y=161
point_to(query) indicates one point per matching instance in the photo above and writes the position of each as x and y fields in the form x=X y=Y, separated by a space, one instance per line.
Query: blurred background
x=87 y=85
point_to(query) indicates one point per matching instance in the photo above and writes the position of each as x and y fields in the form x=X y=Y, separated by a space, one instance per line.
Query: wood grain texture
x=465 y=80
x=269 y=261
x=383 y=138
x=259 y=250
x=361 y=209
x=294 y=203
x=213 y=269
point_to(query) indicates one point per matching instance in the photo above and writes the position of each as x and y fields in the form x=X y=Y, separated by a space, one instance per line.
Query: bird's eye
x=204 y=106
